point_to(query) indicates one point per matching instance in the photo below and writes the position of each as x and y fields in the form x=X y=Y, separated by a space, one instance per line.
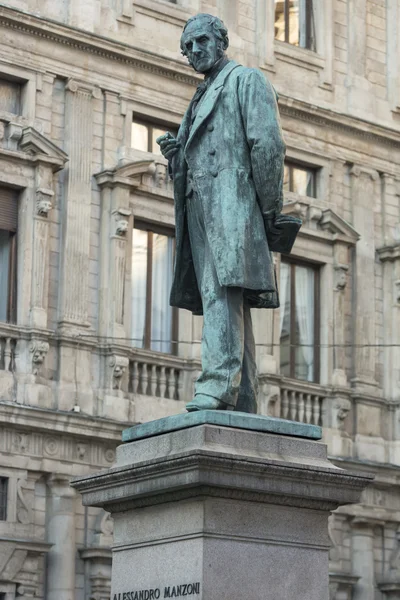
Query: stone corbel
x=118 y=364
x=335 y=411
x=13 y=135
x=314 y=216
x=341 y=271
x=121 y=217
x=341 y=586
x=99 y=560
x=44 y=204
x=38 y=349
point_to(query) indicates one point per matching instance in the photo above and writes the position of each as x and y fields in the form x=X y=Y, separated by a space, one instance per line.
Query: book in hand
x=282 y=232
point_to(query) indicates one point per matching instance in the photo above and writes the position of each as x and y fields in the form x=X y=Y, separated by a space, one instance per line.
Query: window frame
x=151 y=125
x=293 y=262
x=4 y=493
x=310 y=43
x=12 y=229
x=160 y=229
x=292 y=164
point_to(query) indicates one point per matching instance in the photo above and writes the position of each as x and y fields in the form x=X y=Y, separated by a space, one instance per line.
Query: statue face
x=202 y=47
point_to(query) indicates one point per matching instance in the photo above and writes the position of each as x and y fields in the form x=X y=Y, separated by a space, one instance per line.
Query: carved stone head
x=39 y=350
x=341 y=277
x=44 y=202
x=122 y=226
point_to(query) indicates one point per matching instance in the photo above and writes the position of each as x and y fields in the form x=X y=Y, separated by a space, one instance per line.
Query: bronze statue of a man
x=227 y=166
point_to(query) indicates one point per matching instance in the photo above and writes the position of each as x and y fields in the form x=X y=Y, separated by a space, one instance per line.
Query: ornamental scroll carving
x=24 y=510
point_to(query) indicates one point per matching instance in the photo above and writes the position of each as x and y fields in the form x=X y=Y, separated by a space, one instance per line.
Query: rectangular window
x=144 y=135
x=294 y=23
x=10 y=96
x=8 y=253
x=153 y=319
x=299 y=321
x=3 y=498
x=300 y=179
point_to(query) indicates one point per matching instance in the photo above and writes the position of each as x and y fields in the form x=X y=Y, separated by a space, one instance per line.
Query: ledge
x=70 y=423
x=222 y=418
x=301 y=57
x=96 y=44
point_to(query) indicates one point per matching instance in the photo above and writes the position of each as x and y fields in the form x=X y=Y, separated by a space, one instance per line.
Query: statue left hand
x=168 y=145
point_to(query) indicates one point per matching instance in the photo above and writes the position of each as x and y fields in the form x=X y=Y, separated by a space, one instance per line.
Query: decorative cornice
x=48 y=29
x=128 y=175
x=389 y=253
x=68 y=423
x=148 y=482
x=37 y=145
x=324 y=117
x=95 y=553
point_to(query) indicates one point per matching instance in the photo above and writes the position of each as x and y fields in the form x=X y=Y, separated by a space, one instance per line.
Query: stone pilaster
x=363 y=558
x=40 y=271
x=77 y=204
x=341 y=269
x=390 y=256
x=115 y=242
x=393 y=48
x=61 y=534
x=364 y=188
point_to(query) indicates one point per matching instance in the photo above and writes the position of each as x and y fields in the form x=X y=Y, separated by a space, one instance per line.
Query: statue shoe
x=203 y=402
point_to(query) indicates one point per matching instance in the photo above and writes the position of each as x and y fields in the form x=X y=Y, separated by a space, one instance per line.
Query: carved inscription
x=171 y=591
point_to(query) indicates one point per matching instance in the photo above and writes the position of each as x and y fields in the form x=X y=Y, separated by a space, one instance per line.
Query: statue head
x=204 y=41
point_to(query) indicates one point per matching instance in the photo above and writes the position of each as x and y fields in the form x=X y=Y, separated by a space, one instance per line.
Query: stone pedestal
x=221 y=506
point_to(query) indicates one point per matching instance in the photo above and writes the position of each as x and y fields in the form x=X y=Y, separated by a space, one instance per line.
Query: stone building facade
x=87 y=341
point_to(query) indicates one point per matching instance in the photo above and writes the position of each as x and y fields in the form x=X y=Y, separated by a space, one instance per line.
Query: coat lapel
x=209 y=101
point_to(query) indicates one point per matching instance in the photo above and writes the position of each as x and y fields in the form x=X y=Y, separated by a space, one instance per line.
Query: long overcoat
x=235 y=153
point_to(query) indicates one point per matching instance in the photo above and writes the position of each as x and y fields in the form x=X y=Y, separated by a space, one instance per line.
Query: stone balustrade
x=303 y=405
x=293 y=399
x=162 y=376
x=8 y=343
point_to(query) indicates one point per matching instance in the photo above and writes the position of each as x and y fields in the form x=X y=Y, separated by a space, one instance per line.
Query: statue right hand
x=168 y=145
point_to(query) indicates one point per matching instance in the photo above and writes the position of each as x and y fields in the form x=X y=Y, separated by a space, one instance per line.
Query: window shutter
x=8 y=209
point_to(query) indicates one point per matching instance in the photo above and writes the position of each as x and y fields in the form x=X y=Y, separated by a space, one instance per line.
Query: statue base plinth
x=214 y=511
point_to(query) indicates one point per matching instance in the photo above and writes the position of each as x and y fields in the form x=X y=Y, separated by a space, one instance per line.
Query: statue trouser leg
x=248 y=391
x=228 y=353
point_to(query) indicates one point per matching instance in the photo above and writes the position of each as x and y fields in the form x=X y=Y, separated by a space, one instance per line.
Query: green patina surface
x=237 y=420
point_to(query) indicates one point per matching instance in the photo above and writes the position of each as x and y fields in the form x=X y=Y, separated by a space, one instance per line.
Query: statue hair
x=218 y=28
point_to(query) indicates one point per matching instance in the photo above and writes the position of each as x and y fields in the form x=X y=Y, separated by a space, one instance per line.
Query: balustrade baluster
x=163 y=382
x=144 y=378
x=293 y=405
x=180 y=384
x=171 y=384
x=285 y=405
x=308 y=409
x=153 y=380
x=316 y=410
x=7 y=355
x=135 y=377
x=301 y=407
